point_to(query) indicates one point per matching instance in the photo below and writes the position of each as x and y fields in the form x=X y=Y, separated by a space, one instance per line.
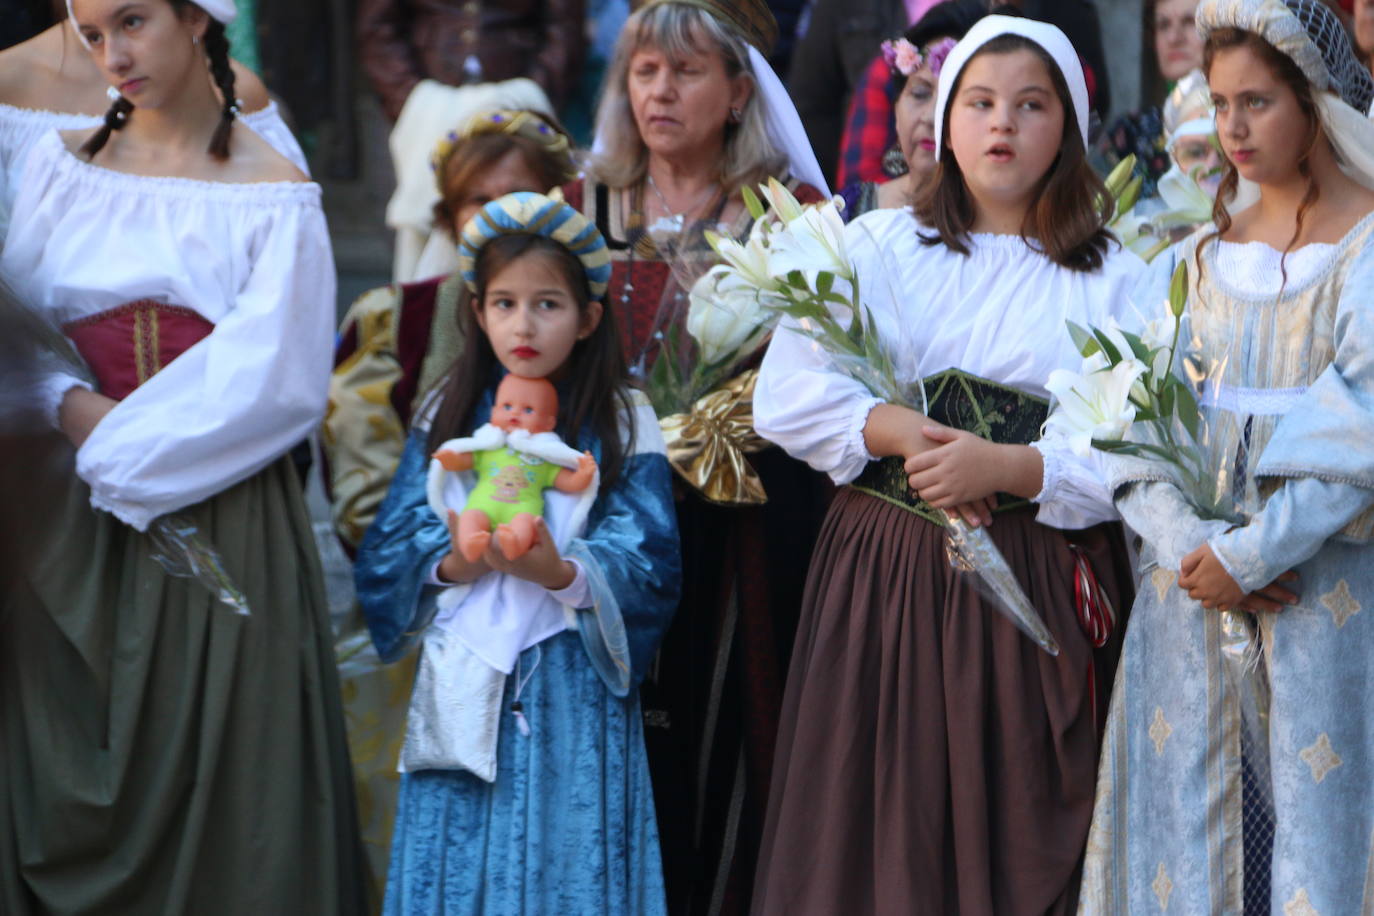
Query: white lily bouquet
x=1185 y=201
x=1137 y=395
x=796 y=265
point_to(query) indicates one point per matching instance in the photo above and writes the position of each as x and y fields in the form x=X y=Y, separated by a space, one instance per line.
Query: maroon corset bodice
x=127 y=345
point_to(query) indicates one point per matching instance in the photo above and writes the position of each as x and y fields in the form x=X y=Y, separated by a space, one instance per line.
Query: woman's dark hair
x=1068 y=220
x=1291 y=76
x=592 y=398
x=216 y=44
x=476 y=155
x=948 y=19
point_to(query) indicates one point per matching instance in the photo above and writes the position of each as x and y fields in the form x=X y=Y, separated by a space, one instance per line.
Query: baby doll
x=516 y=457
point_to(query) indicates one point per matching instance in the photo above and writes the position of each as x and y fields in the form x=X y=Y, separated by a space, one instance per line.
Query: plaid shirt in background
x=870 y=129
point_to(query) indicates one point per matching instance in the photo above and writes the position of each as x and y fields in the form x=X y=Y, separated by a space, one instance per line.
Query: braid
x=217 y=50
x=115 y=119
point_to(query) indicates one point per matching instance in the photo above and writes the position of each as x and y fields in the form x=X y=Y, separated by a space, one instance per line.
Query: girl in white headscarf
x=1239 y=750
x=930 y=758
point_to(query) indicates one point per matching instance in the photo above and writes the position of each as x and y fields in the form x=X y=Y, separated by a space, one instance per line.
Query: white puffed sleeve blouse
x=998 y=313
x=252 y=259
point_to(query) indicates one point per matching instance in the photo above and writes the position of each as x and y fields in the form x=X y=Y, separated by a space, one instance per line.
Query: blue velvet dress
x=568 y=826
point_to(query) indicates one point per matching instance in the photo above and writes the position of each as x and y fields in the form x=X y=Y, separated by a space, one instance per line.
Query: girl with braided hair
x=158 y=753
x=115 y=54
x=50 y=82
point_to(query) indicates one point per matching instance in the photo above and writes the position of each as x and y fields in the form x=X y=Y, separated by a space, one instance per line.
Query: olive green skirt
x=160 y=754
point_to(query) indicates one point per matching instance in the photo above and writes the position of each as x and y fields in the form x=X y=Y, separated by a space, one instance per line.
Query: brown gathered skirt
x=930 y=758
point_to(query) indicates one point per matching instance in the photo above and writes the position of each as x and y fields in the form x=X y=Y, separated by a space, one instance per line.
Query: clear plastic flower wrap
x=1170 y=400
x=973 y=554
x=182 y=552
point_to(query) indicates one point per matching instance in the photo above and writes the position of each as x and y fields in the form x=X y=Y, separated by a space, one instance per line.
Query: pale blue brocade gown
x=1297 y=422
x=568 y=826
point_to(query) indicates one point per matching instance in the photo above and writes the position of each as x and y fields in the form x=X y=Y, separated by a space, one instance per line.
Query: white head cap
x=220 y=10
x=1049 y=38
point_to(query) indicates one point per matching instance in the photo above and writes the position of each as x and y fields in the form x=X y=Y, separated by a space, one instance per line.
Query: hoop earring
x=894 y=163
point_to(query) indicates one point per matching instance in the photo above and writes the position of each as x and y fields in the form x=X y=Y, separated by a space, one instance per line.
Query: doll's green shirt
x=509 y=483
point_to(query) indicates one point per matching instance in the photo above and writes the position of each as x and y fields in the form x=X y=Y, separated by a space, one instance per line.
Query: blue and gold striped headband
x=528 y=213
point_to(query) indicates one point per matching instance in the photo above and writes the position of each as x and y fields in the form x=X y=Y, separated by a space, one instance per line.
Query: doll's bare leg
x=474 y=534
x=517 y=537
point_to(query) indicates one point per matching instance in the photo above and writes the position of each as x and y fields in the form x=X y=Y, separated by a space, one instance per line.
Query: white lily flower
x=748 y=259
x=1135 y=232
x=1187 y=202
x=785 y=206
x=812 y=243
x=726 y=315
x=1158 y=335
x=1093 y=406
x=1095 y=363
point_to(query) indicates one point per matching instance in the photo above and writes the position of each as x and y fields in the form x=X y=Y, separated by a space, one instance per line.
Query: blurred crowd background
x=341 y=70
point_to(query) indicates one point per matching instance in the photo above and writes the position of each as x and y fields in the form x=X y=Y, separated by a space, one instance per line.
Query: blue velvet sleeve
x=396 y=555
x=633 y=564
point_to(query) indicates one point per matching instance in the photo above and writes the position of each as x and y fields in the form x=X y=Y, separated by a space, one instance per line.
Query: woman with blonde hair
x=690 y=115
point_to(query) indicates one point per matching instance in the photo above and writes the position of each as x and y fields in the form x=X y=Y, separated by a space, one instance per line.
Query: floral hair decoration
x=522 y=123
x=905 y=58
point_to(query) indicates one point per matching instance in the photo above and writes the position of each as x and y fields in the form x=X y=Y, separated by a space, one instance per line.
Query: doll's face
x=525 y=403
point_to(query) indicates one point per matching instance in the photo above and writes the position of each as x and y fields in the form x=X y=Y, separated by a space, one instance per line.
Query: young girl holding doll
x=1239 y=754
x=526 y=786
x=931 y=758
x=395 y=345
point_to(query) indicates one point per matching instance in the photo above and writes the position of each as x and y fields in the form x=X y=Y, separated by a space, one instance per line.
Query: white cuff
x=135 y=516
x=1053 y=475
x=578 y=594
x=857 y=455
x=1233 y=567
x=52 y=389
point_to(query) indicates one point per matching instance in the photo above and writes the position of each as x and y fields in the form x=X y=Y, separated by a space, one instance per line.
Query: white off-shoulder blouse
x=998 y=313
x=20 y=128
x=252 y=259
